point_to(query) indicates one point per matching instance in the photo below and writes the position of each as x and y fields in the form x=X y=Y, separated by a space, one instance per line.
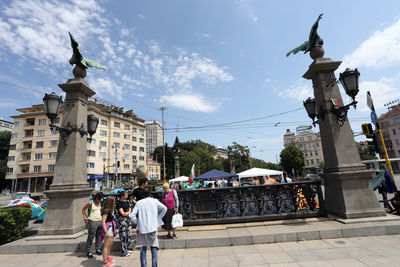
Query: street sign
x=374 y=118
x=370 y=103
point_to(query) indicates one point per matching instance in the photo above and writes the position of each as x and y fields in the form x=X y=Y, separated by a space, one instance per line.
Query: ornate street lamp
x=309 y=105
x=52 y=103
x=349 y=80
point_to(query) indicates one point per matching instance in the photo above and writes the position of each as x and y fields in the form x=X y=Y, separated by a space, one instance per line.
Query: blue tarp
x=215 y=174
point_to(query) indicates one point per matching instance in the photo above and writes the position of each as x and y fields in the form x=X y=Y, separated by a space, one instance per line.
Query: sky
x=219 y=64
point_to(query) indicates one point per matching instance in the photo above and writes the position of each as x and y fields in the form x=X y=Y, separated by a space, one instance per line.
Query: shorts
x=110 y=231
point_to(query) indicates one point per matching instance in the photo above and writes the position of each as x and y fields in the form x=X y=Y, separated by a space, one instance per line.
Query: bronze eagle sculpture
x=313 y=40
x=80 y=60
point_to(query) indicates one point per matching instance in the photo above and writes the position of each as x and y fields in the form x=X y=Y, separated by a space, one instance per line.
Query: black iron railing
x=251 y=203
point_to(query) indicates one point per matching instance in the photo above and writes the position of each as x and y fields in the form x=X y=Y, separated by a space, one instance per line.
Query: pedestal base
x=64 y=211
x=350 y=195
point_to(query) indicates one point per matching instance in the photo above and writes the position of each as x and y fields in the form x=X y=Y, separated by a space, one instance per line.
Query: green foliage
x=322 y=165
x=292 y=157
x=5 y=137
x=367 y=153
x=140 y=174
x=13 y=223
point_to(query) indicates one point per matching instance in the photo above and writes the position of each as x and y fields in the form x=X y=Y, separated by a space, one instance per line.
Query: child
x=109 y=230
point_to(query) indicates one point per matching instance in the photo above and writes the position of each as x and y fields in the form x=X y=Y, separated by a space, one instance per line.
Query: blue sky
x=209 y=62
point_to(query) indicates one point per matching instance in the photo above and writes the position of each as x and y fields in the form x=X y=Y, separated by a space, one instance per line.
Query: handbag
x=177 y=220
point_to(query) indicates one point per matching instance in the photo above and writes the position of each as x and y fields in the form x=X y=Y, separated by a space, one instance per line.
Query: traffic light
x=375 y=143
x=367 y=129
x=118 y=164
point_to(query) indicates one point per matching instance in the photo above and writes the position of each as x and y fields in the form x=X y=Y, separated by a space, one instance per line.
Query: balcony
x=24 y=161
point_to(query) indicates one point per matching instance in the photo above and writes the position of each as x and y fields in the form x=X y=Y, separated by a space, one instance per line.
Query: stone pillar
x=70 y=191
x=231 y=163
x=348 y=192
x=177 y=168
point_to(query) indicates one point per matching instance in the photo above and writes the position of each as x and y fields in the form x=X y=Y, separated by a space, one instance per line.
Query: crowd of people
x=107 y=216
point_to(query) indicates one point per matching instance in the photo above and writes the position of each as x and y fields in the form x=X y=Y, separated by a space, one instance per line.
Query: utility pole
x=378 y=128
x=163 y=108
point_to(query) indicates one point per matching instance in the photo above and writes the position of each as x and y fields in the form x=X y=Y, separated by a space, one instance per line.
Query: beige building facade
x=116 y=150
x=310 y=144
x=6 y=125
x=153 y=170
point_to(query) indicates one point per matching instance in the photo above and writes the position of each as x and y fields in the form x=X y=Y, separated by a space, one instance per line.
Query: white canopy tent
x=179 y=179
x=255 y=172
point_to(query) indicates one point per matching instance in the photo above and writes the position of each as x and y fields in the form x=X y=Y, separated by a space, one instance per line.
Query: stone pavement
x=359 y=251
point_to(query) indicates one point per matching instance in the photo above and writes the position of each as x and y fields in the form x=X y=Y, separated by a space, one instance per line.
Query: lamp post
x=348 y=193
x=69 y=191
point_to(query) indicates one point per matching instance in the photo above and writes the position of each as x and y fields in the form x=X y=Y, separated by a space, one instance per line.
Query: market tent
x=254 y=172
x=215 y=174
x=179 y=179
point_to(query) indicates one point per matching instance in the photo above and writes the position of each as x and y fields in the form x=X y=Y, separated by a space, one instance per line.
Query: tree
x=367 y=153
x=140 y=174
x=5 y=137
x=292 y=157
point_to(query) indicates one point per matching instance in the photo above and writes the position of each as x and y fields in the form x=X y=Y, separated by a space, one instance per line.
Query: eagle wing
x=92 y=63
x=302 y=47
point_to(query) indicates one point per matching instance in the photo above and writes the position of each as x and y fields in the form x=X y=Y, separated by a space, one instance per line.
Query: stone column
x=231 y=163
x=177 y=168
x=348 y=192
x=70 y=191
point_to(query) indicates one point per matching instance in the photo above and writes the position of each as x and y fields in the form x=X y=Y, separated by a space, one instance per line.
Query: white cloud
x=190 y=102
x=382 y=49
x=299 y=90
x=106 y=86
x=141 y=16
x=124 y=32
x=253 y=18
x=206 y=35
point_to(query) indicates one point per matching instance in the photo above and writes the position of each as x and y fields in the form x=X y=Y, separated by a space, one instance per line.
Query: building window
x=317 y=144
x=54 y=132
x=396 y=120
x=312 y=162
x=10 y=170
x=141 y=131
x=102 y=155
x=16 y=124
x=309 y=146
x=38 y=156
x=39 y=144
x=53 y=143
x=11 y=158
x=127 y=127
x=116 y=155
x=40 y=133
x=103 y=143
x=117 y=124
x=90 y=165
x=103 y=133
x=307 y=162
x=134 y=148
x=103 y=122
x=57 y=120
x=52 y=155
x=141 y=149
x=310 y=153
x=42 y=121
x=134 y=139
x=316 y=153
x=14 y=135
x=115 y=145
x=116 y=134
x=91 y=141
x=301 y=139
x=126 y=146
x=134 y=130
x=28 y=133
x=141 y=140
x=134 y=158
x=127 y=136
x=91 y=153
x=305 y=154
x=37 y=169
x=141 y=157
x=317 y=161
x=394 y=131
x=50 y=168
x=13 y=147
x=126 y=156
x=309 y=138
x=127 y=166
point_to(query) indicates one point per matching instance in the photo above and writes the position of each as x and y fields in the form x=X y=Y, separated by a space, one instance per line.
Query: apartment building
x=310 y=144
x=390 y=127
x=6 y=125
x=154 y=136
x=116 y=150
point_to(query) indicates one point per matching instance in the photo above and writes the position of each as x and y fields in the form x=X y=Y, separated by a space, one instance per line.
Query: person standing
x=124 y=224
x=147 y=215
x=93 y=223
x=171 y=201
x=109 y=229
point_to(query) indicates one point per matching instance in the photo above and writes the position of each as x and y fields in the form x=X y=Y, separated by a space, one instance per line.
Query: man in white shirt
x=147 y=214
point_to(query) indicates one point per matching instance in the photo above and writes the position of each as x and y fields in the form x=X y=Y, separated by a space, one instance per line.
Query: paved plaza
x=361 y=251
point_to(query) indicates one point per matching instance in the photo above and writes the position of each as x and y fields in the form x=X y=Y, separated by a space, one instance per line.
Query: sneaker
x=111 y=260
x=89 y=255
x=125 y=255
x=98 y=252
x=108 y=263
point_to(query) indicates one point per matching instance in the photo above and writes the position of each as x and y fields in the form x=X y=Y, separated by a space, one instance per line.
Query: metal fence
x=251 y=203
